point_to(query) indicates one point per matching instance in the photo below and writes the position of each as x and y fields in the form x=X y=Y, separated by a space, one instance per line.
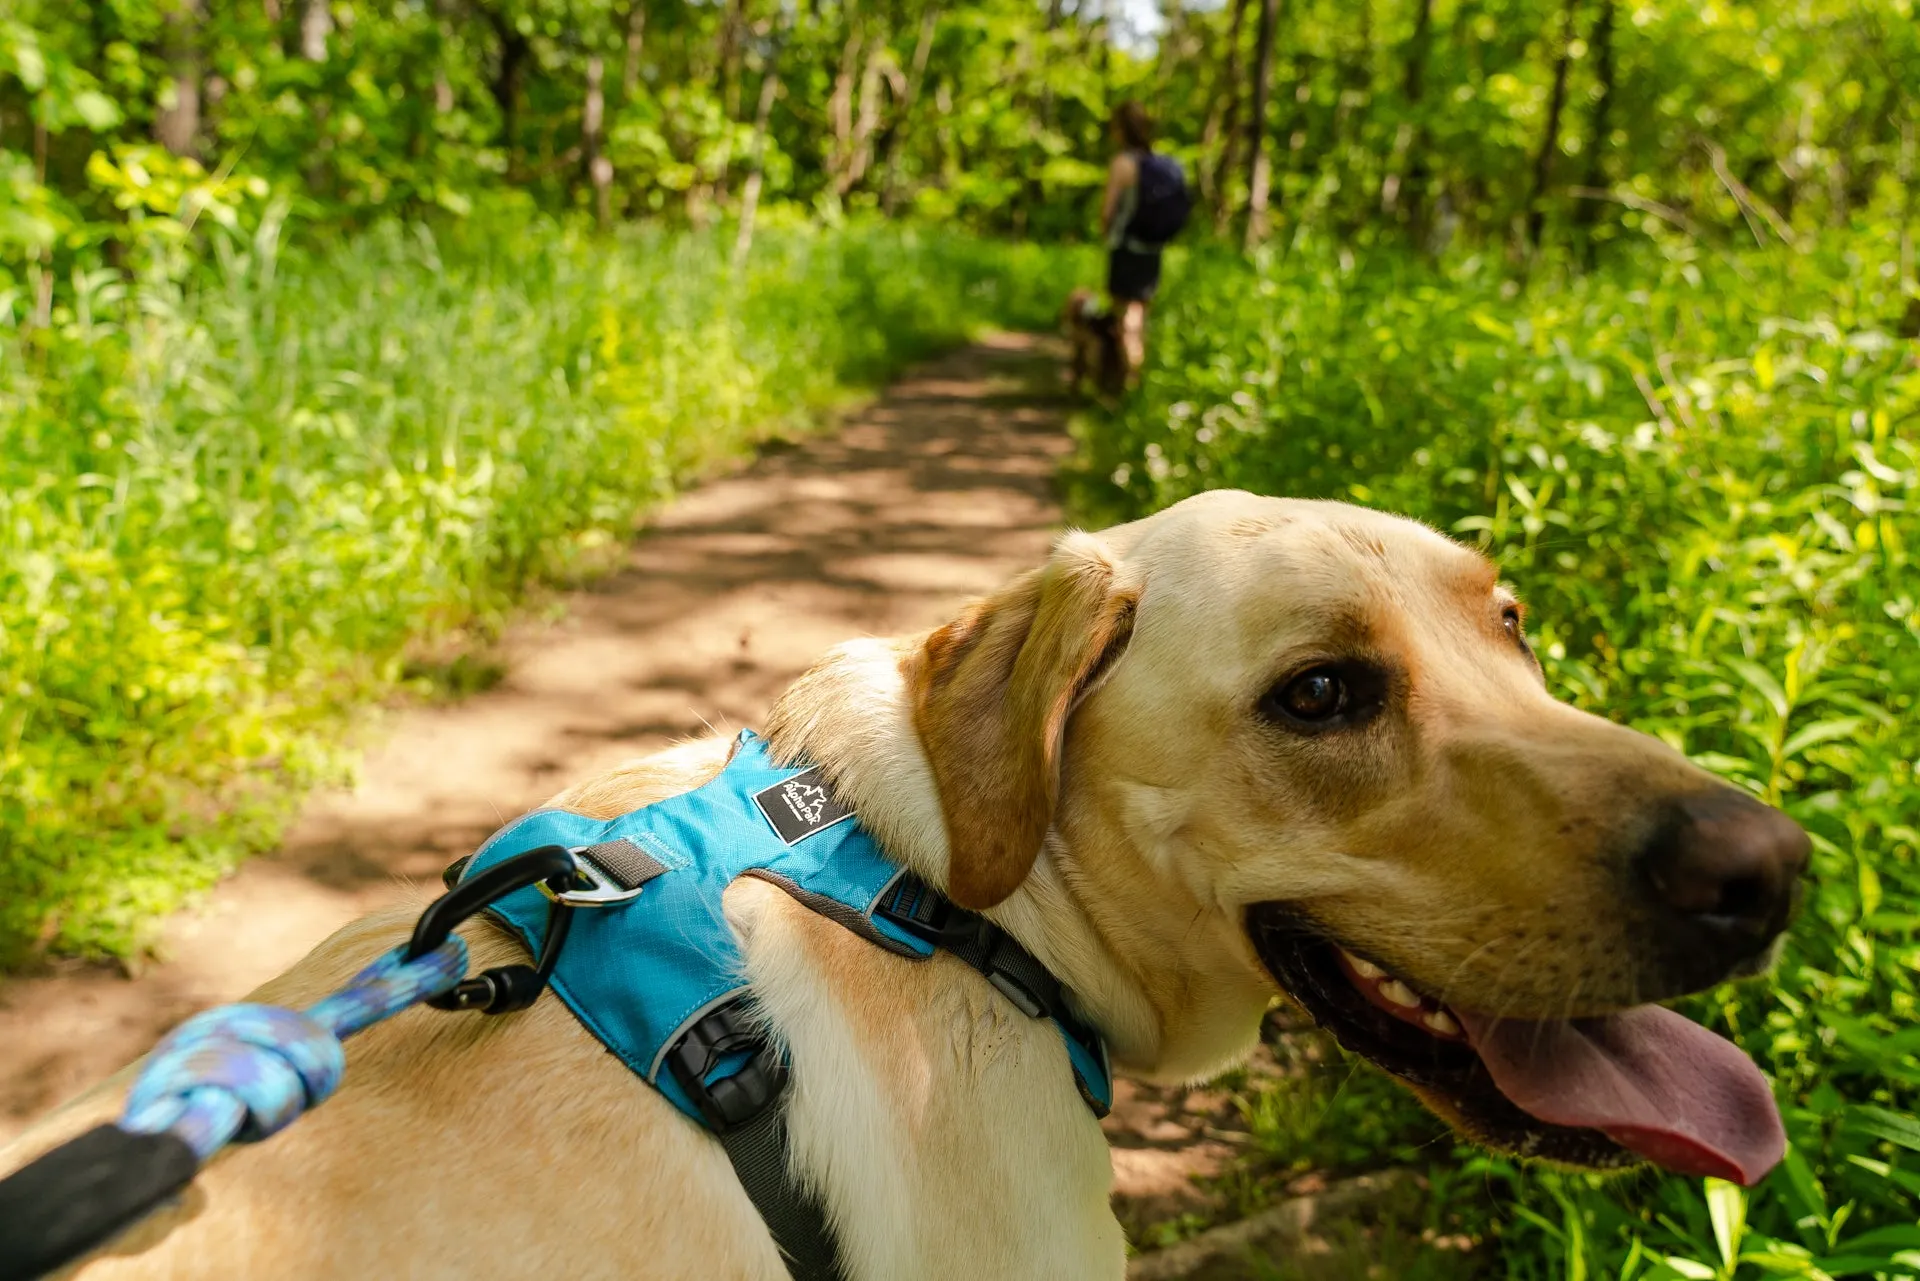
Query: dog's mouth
x=1643 y=1084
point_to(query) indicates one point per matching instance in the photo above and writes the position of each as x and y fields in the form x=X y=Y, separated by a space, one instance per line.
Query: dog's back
x=461 y=1145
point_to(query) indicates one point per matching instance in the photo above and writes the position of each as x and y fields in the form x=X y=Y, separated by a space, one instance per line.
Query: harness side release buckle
x=733 y=1100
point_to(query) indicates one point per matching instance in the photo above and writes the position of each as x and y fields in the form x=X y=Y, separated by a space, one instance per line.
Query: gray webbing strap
x=798 y=1222
x=628 y=864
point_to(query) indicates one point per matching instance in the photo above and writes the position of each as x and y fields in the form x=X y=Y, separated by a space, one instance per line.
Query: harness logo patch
x=800 y=806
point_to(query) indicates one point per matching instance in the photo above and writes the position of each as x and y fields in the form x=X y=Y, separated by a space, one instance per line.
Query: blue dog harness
x=654 y=971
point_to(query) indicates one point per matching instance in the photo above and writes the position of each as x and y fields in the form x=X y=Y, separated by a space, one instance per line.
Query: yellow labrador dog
x=1241 y=746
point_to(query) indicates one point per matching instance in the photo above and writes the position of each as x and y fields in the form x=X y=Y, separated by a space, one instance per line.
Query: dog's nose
x=1726 y=866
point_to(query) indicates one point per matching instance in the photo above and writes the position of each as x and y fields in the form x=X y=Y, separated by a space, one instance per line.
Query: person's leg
x=1133 y=337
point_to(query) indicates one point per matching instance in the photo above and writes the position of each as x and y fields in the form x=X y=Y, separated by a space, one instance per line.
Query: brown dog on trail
x=1093 y=336
x=1242 y=747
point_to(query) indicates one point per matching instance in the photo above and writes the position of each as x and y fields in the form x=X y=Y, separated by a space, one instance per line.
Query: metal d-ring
x=601 y=890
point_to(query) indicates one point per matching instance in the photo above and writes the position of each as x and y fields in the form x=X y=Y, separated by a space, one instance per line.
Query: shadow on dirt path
x=936 y=492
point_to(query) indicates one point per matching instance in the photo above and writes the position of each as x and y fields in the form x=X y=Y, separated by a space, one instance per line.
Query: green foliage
x=224 y=509
x=1426 y=122
x=990 y=114
x=1702 y=473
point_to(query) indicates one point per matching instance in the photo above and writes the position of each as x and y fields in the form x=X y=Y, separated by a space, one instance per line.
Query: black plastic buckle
x=920 y=909
x=504 y=988
x=1030 y=1002
x=914 y=905
x=734 y=1100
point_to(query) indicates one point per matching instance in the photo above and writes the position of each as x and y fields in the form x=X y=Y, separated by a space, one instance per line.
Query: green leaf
x=1898 y=1237
x=1762 y=682
x=1727 y=1208
x=1820 y=732
x=95 y=110
x=1882 y=1124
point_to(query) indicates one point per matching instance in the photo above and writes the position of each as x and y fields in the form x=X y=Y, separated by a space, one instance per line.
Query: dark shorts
x=1132 y=277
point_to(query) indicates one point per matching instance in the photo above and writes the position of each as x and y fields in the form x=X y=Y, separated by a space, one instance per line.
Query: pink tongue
x=1657 y=1084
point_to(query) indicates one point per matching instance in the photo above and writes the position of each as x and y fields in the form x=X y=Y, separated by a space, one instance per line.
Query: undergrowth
x=228 y=506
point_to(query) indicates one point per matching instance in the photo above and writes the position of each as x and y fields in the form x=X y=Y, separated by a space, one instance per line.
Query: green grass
x=228 y=511
x=1701 y=472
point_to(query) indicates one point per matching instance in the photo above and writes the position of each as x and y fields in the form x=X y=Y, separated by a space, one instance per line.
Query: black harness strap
x=797 y=1220
x=748 y=1113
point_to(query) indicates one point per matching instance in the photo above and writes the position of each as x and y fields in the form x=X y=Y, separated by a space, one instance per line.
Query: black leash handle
x=84 y=1192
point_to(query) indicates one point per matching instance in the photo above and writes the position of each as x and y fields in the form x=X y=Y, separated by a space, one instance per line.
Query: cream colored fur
x=940 y=1124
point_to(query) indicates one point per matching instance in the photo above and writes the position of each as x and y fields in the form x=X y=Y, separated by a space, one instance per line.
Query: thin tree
x=1221 y=125
x=756 y=164
x=1259 y=164
x=1599 y=128
x=1406 y=169
x=316 y=24
x=1550 y=136
x=592 y=135
x=896 y=136
x=176 y=121
x=515 y=52
x=636 y=37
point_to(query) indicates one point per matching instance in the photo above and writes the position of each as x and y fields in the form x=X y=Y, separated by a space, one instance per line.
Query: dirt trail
x=937 y=492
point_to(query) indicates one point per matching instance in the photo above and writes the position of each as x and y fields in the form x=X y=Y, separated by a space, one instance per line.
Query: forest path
x=936 y=492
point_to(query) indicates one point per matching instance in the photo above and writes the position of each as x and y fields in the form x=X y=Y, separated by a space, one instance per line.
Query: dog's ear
x=992 y=691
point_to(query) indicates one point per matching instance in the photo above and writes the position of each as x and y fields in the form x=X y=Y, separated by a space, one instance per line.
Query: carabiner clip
x=504 y=988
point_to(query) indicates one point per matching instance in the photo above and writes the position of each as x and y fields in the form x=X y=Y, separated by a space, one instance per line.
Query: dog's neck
x=1092 y=904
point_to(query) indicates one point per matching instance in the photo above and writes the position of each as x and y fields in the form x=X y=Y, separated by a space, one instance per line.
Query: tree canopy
x=1439 y=121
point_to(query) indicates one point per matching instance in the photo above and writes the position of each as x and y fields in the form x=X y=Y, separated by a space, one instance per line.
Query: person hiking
x=1146 y=205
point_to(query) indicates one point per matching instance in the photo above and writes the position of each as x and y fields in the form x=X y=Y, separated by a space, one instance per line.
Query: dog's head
x=1081 y=307
x=1312 y=741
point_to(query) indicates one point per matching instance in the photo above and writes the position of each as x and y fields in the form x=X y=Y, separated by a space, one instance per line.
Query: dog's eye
x=1510 y=619
x=1316 y=698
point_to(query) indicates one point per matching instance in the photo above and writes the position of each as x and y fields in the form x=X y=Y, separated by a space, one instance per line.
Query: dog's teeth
x=1400 y=994
x=1365 y=969
x=1442 y=1022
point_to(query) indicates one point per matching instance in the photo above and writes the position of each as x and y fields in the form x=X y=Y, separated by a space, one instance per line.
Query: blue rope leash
x=238 y=1073
x=242 y=1072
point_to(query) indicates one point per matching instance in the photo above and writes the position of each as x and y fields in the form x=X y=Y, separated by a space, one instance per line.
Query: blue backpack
x=1162 y=202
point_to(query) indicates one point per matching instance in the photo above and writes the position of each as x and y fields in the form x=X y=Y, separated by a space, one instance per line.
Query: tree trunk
x=1173 y=43
x=1550 y=137
x=1907 y=184
x=636 y=35
x=1600 y=127
x=840 y=111
x=756 y=172
x=1356 y=78
x=1221 y=126
x=176 y=123
x=514 y=52
x=727 y=57
x=916 y=76
x=1259 y=163
x=1405 y=168
x=879 y=72
x=1103 y=47
x=316 y=24
x=592 y=130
